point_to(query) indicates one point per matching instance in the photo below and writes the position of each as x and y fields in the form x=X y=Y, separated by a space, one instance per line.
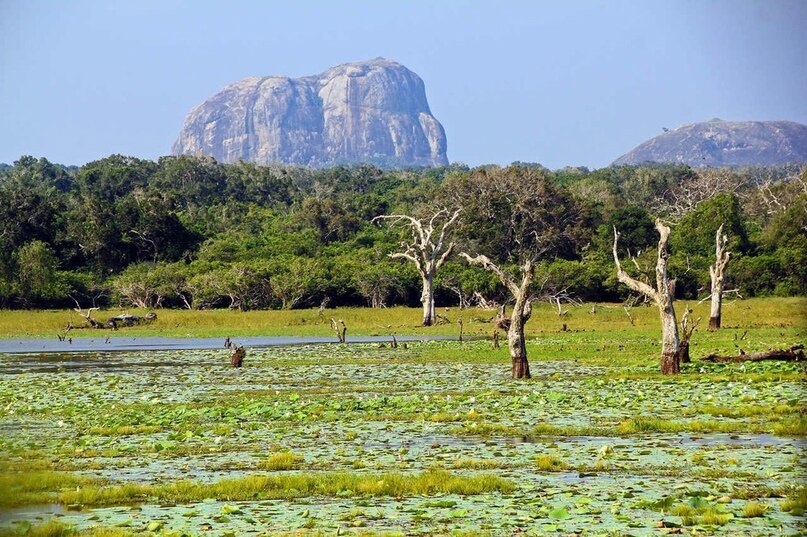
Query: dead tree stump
x=340 y=332
x=237 y=357
x=686 y=333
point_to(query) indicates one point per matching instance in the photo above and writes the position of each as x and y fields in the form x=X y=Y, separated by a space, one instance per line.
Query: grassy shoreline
x=750 y=313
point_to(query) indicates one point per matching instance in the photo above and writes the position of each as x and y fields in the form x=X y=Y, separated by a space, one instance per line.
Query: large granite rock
x=374 y=111
x=725 y=143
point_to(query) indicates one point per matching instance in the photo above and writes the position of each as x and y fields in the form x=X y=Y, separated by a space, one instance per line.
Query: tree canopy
x=196 y=233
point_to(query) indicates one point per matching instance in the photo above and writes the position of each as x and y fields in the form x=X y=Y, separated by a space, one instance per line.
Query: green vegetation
x=550 y=463
x=754 y=509
x=769 y=318
x=281 y=461
x=187 y=232
x=432 y=438
x=260 y=487
x=54 y=528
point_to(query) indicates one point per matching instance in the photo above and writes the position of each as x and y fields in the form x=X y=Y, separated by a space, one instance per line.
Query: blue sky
x=560 y=83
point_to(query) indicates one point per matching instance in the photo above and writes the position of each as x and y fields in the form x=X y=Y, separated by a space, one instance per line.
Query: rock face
x=374 y=111
x=725 y=143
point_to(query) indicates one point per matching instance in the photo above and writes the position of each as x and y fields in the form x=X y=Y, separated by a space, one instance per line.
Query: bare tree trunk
x=522 y=310
x=717 y=273
x=669 y=339
x=427 y=299
x=662 y=295
x=517 y=342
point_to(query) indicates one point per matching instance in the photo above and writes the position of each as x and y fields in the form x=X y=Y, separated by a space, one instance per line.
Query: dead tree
x=717 y=273
x=662 y=295
x=793 y=354
x=686 y=333
x=522 y=310
x=686 y=195
x=87 y=316
x=425 y=251
x=517 y=216
x=340 y=332
x=237 y=357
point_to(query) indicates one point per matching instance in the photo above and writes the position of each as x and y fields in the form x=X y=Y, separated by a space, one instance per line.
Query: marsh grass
x=767 y=313
x=56 y=528
x=697 y=511
x=468 y=463
x=264 y=487
x=51 y=528
x=745 y=411
x=646 y=424
x=281 y=461
x=550 y=463
x=796 y=501
x=26 y=486
x=638 y=425
x=125 y=430
x=796 y=426
x=754 y=509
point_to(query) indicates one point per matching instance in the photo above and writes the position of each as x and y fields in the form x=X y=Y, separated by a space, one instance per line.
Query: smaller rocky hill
x=725 y=143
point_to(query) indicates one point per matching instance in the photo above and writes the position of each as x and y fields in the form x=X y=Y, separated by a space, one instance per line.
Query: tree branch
x=487 y=264
x=625 y=278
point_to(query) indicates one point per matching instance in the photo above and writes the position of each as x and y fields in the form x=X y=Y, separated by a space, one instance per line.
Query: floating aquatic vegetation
x=437 y=440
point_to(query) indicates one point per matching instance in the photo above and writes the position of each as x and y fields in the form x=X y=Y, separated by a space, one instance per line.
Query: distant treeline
x=190 y=232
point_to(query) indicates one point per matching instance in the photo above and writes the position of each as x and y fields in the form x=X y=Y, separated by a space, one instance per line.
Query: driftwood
x=793 y=354
x=440 y=319
x=237 y=357
x=124 y=319
x=87 y=316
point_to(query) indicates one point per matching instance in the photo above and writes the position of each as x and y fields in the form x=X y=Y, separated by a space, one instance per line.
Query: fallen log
x=793 y=354
x=129 y=320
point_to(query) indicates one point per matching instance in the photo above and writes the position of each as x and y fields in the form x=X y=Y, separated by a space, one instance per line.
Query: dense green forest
x=189 y=232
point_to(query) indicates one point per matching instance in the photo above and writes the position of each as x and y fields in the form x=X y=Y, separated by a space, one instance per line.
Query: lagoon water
x=129 y=343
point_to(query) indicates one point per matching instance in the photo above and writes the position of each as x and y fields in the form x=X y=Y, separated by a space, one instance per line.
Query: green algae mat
x=431 y=439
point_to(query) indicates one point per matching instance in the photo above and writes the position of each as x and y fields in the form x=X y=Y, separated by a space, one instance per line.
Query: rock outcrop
x=374 y=112
x=725 y=143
